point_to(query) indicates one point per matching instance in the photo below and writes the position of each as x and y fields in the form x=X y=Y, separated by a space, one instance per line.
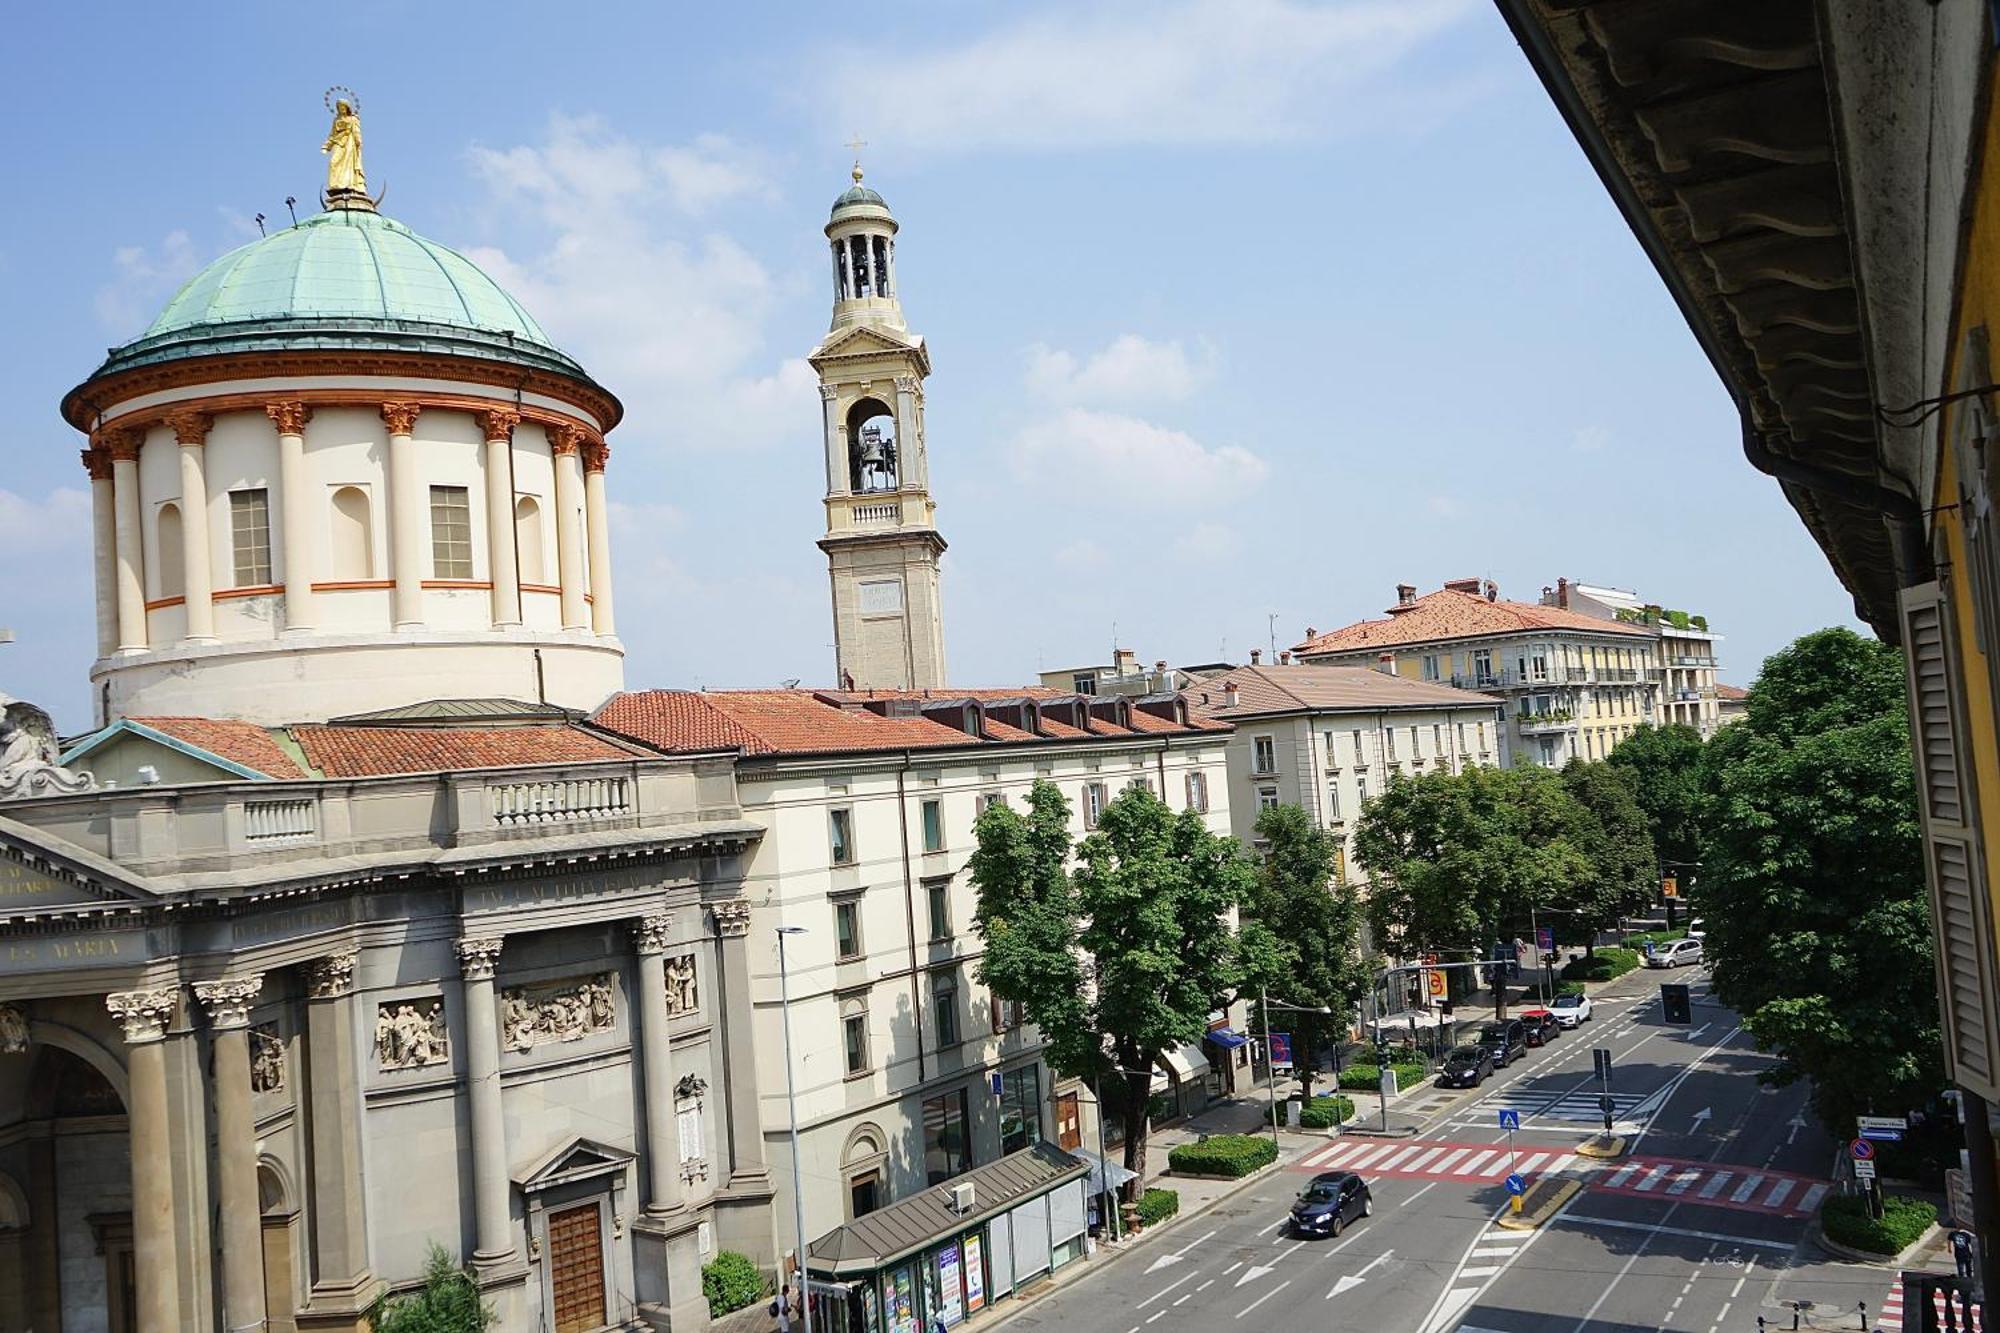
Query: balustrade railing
x=558 y=800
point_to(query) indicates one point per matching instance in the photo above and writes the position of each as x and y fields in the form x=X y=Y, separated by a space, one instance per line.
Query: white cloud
x=1195 y=71
x=40 y=528
x=1110 y=457
x=145 y=278
x=1130 y=370
x=1207 y=541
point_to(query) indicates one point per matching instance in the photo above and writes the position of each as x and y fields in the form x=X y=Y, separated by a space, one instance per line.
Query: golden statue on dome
x=346 y=184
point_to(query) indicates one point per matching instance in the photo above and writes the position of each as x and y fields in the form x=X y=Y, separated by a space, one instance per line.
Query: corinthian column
x=656 y=1057
x=408 y=516
x=228 y=1005
x=836 y=441
x=145 y=1015
x=124 y=444
x=103 y=546
x=478 y=960
x=295 y=510
x=565 y=441
x=910 y=467
x=739 y=1035
x=197 y=584
x=597 y=526
x=500 y=554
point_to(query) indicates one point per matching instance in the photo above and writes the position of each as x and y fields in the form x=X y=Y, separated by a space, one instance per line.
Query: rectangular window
x=1267 y=798
x=1340 y=863
x=854 y=1035
x=1360 y=753
x=989 y=799
x=1139 y=784
x=1263 y=755
x=1461 y=738
x=1083 y=684
x=864 y=1193
x=944 y=1007
x=840 y=832
x=1093 y=803
x=1361 y=787
x=1197 y=792
x=1482 y=666
x=1389 y=742
x=847 y=929
x=938 y=893
x=933 y=826
x=1431 y=667
x=250 y=537
x=1437 y=740
x=1416 y=745
x=1005 y=1015
x=946 y=1147
x=1333 y=799
x=1020 y=1108
x=451 y=533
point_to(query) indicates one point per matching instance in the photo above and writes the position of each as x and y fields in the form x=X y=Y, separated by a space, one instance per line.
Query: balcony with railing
x=1553 y=720
x=1512 y=678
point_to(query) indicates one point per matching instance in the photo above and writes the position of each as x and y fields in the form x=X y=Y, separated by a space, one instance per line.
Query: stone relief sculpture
x=410 y=1034
x=267 y=1059
x=13 y=1031
x=28 y=755
x=532 y=1016
x=681 y=997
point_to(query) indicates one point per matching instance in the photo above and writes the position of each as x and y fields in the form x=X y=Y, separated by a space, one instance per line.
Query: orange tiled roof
x=1450 y=614
x=1731 y=692
x=357 y=752
x=242 y=743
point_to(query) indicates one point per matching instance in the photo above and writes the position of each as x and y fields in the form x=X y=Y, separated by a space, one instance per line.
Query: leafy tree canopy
x=1666 y=767
x=1613 y=835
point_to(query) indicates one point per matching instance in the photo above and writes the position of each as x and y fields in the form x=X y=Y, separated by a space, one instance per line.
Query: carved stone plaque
x=267 y=1058
x=410 y=1034
x=532 y=1016
x=681 y=994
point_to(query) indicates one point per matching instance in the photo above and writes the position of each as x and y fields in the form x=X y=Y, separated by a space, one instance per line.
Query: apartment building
x=1685 y=651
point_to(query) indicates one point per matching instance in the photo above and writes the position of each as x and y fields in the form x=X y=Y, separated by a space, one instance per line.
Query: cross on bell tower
x=882 y=545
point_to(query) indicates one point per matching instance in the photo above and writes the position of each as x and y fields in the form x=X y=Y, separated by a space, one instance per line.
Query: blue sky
x=1237 y=309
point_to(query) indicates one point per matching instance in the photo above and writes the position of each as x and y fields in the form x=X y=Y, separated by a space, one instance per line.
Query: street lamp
x=792 y=1106
x=1270 y=1068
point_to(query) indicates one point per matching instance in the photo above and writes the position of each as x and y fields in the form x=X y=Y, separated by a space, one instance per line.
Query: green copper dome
x=858 y=194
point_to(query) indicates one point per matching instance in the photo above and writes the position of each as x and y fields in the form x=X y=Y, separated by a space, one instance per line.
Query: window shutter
x=1953 y=853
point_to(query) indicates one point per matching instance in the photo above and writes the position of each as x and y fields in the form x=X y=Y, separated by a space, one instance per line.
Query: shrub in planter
x=1569 y=988
x=1846 y=1222
x=1326 y=1112
x=1223 y=1155
x=1157 y=1205
x=730 y=1281
x=1606 y=964
x=1361 y=1078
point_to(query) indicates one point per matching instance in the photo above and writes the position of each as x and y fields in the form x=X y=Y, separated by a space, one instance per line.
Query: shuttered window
x=1960 y=911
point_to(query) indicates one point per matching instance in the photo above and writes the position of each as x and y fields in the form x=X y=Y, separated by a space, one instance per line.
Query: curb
x=1543 y=1208
x=1603 y=1148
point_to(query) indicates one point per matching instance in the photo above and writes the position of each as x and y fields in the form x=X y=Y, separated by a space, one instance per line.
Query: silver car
x=1676 y=953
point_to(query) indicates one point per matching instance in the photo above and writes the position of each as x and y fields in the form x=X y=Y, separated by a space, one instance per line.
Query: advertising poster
x=902 y=1302
x=975 y=1275
x=950 y=1303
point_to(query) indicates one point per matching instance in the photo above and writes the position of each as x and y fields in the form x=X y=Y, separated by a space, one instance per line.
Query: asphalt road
x=1697 y=1228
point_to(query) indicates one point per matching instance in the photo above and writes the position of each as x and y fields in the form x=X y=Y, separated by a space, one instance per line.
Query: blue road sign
x=1516 y=1185
x=1510 y=1120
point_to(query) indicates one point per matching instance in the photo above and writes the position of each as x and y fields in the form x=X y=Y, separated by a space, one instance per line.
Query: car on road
x=1676 y=953
x=1504 y=1040
x=1697 y=929
x=1329 y=1202
x=1464 y=1067
x=1541 y=1025
x=1571 y=1010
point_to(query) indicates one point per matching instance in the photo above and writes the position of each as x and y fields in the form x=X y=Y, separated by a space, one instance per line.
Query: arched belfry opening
x=872 y=458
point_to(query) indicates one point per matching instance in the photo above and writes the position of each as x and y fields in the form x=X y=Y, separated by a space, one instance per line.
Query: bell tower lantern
x=882 y=545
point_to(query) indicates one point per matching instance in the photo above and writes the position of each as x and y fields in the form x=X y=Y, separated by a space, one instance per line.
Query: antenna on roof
x=259 y=220
x=1271 y=624
x=290 y=200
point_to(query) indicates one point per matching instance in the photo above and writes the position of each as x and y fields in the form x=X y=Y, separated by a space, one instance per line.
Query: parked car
x=1504 y=1040
x=1571 y=1009
x=1676 y=953
x=1329 y=1202
x=1464 y=1067
x=1541 y=1025
x=1697 y=929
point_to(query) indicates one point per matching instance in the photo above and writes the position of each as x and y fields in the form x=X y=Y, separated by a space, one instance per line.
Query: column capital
x=479 y=957
x=122 y=442
x=906 y=384
x=564 y=437
x=498 y=423
x=829 y=392
x=732 y=917
x=650 y=932
x=401 y=416
x=228 y=1001
x=596 y=453
x=289 y=415
x=144 y=1013
x=190 y=428
x=97 y=461
x=332 y=976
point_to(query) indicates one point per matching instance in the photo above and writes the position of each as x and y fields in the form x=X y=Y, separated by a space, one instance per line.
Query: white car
x=1697 y=929
x=1570 y=1010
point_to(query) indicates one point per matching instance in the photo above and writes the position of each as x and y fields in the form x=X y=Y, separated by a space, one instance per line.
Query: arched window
x=172 y=579
x=872 y=463
x=864 y=1164
x=352 y=533
x=528 y=540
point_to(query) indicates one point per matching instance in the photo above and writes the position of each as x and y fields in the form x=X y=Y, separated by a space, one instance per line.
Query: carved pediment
x=41 y=874
x=862 y=340
x=571 y=1160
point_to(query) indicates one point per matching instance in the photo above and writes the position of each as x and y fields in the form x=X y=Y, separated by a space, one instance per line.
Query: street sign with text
x=1863 y=1169
x=1887 y=1128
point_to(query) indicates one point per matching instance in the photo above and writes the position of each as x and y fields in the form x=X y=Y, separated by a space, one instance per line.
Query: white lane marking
x=1155 y=1315
x=1683 y=1180
x=1812 y=1197
x=1715 y=1184
x=1622 y=1175
x=1471 y=1168
x=1227 y=1271
x=1368 y=1155
x=1778 y=1193
x=1418 y=1195
x=1533 y=1163
x=1561 y=1164
x=1204 y=1286
x=1492 y=1252
x=1652 y=1180
x=1655 y=1229
x=1746 y=1189
x=1487 y=1271
x=1180 y=1299
x=1449 y=1305
x=1261 y=1299
x=1417 y=1163
x=1163 y=1291
x=1396 y=1163
x=1446 y=1164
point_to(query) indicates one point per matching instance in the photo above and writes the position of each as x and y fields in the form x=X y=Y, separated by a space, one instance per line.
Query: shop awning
x=1227 y=1038
x=879 y=1239
x=1105 y=1175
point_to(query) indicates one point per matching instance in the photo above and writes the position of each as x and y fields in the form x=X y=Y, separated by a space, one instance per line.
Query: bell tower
x=881 y=543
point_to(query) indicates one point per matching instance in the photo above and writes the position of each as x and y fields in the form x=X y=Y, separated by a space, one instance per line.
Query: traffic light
x=1676 y=1003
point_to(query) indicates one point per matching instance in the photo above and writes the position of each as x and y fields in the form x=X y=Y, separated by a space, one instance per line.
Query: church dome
x=856 y=195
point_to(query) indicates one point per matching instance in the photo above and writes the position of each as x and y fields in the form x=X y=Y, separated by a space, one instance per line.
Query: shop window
x=1020 y=1108
x=947 y=1151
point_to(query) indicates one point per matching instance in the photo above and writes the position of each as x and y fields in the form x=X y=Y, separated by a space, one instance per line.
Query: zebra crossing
x=1706 y=1183
x=1578 y=1107
x=1431 y=1160
x=1964 y=1314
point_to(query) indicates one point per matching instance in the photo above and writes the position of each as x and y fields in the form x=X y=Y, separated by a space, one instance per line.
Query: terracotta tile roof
x=1000 y=731
x=1731 y=692
x=242 y=743
x=355 y=752
x=1450 y=614
x=1262 y=690
x=679 y=720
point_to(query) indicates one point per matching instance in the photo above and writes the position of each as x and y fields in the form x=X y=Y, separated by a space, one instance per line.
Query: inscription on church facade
x=571 y=888
x=566 y=1011
x=57 y=954
x=21 y=885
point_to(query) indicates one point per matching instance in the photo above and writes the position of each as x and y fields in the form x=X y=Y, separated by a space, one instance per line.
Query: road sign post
x=1510 y=1120
x=1884 y=1128
x=1862 y=1153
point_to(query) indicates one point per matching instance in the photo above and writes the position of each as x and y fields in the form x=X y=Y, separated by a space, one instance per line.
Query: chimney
x=1230 y=698
x=1161 y=666
x=1256 y=656
x=1284 y=657
x=1406 y=597
x=1123 y=661
x=1470 y=586
x=1562 y=593
x=1492 y=591
x=1311 y=633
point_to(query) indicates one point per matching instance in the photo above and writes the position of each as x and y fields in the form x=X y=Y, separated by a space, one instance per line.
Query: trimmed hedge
x=1608 y=963
x=1368 y=1077
x=1846 y=1222
x=1157 y=1205
x=1326 y=1112
x=1658 y=937
x=1223 y=1155
x=1569 y=988
x=730 y=1281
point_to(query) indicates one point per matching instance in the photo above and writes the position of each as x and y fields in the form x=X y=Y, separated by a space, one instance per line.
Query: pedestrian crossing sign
x=1510 y=1119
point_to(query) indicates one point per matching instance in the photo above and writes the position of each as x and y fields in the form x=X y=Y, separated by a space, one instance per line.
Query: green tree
x=1666 y=766
x=1300 y=934
x=1813 y=884
x=1121 y=960
x=448 y=1302
x=1613 y=835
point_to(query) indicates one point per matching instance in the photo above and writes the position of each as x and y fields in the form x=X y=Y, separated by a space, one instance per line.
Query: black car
x=1541 y=1025
x=1465 y=1067
x=1329 y=1202
x=1504 y=1040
